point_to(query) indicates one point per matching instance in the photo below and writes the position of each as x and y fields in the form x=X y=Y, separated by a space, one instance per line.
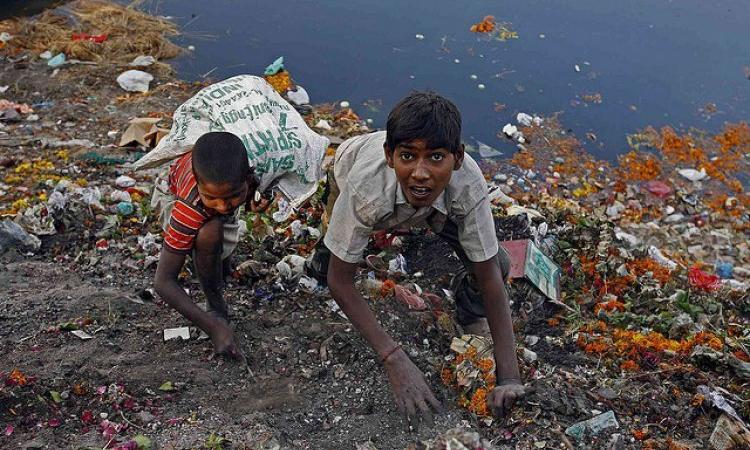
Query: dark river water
x=682 y=63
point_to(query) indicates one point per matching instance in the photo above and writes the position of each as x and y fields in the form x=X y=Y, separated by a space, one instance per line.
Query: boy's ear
x=388 y=155
x=459 y=155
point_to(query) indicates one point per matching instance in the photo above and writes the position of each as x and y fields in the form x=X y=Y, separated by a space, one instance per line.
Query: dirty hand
x=260 y=205
x=222 y=337
x=410 y=391
x=503 y=397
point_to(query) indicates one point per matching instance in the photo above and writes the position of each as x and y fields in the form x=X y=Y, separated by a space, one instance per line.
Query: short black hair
x=424 y=115
x=220 y=157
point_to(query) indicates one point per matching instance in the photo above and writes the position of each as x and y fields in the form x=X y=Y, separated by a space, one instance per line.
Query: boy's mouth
x=420 y=192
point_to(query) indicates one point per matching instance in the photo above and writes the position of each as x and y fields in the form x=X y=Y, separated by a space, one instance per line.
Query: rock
x=607 y=393
x=13 y=236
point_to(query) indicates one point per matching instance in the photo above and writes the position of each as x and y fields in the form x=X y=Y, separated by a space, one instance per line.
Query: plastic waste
x=485 y=151
x=410 y=299
x=419 y=37
x=511 y=131
x=275 y=66
x=284 y=212
x=120 y=196
x=143 y=60
x=148 y=243
x=323 y=125
x=724 y=270
x=593 y=426
x=692 y=174
x=397 y=264
x=13 y=236
x=56 y=202
x=124 y=181
x=658 y=188
x=719 y=402
x=702 y=280
x=298 y=95
x=135 y=80
x=659 y=257
x=628 y=238
x=92 y=197
x=57 y=60
x=125 y=208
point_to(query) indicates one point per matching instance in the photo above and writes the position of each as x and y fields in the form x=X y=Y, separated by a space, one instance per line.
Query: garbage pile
x=631 y=318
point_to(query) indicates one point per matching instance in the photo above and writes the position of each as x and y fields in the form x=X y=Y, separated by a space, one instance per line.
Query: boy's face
x=223 y=197
x=422 y=172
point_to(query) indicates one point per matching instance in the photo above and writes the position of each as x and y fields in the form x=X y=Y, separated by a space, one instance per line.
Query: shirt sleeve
x=347 y=235
x=476 y=233
x=184 y=224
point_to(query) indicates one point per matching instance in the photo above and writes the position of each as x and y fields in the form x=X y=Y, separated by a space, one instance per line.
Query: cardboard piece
x=144 y=131
x=527 y=261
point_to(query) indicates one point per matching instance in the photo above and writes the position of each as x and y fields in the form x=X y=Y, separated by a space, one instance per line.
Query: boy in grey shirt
x=416 y=174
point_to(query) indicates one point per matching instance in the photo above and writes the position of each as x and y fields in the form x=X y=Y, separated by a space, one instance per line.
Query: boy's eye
x=437 y=156
x=406 y=156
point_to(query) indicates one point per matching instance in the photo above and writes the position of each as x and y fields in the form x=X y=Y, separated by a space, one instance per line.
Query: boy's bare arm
x=509 y=385
x=166 y=285
x=410 y=391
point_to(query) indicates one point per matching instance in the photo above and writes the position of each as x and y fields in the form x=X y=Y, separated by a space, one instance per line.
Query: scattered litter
x=344 y=104
x=143 y=131
x=13 y=236
x=481 y=86
x=142 y=61
x=692 y=174
x=729 y=435
x=659 y=257
x=593 y=426
x=174 y=333
x=56 y=61
x=298 y=95
x=81 y=334
x=135 y=80
x=275 y=66
x=419 y=37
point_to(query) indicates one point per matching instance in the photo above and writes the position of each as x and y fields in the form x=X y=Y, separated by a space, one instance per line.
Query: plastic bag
x=280 y=145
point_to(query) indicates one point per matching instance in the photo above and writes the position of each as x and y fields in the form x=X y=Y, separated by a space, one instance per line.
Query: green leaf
x=166 y=386
x=55 y=396
x=143 y=442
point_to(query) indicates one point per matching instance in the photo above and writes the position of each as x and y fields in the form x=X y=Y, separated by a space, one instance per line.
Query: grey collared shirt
x=371 y=199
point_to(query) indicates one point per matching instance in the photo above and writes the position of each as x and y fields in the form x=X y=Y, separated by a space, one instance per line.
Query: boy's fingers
x=434 y=402
x=426 y=413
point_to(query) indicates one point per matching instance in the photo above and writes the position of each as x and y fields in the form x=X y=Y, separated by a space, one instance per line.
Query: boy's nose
x=420 y=172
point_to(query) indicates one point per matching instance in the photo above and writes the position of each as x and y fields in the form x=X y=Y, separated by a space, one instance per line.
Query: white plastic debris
x=308 y=284
x=135 y=80
x=524 y=119
x=344 y=104
x=5 y=37
x=481 y=86
x=485 y=151
x=179 y=332
x=81 y=335
x=419 y=37
x=577 y=68
x=92 y=197
x=323 y=125
x=659 y=257
x=511 y=131
x=397 y=264
x=628 y=238
x=692 y=174
x=285 y=211
x=124 y=181
x=118 y=196
x=57 y=202
x=142 y=61
x=46 y=54
x=148 y=243
x=296 y=264
x=719 y=402
x=298 y=96
x=497 y=195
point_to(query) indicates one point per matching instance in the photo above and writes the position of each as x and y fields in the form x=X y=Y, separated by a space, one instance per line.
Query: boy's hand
x=410 y=391
x=222 y=337
x=503 y=397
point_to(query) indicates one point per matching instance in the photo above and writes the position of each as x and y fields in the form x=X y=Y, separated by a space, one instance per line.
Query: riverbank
x=653 y=304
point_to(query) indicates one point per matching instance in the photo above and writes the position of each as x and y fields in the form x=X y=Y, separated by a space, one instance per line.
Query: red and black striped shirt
x=188 y=214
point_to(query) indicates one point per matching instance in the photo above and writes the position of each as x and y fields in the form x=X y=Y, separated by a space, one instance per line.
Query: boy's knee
x=210 y=237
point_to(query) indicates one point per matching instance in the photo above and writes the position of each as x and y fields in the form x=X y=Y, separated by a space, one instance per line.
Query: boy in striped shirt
x=198 y=210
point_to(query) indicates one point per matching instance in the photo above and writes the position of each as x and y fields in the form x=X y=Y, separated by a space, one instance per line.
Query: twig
x=129 y=422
